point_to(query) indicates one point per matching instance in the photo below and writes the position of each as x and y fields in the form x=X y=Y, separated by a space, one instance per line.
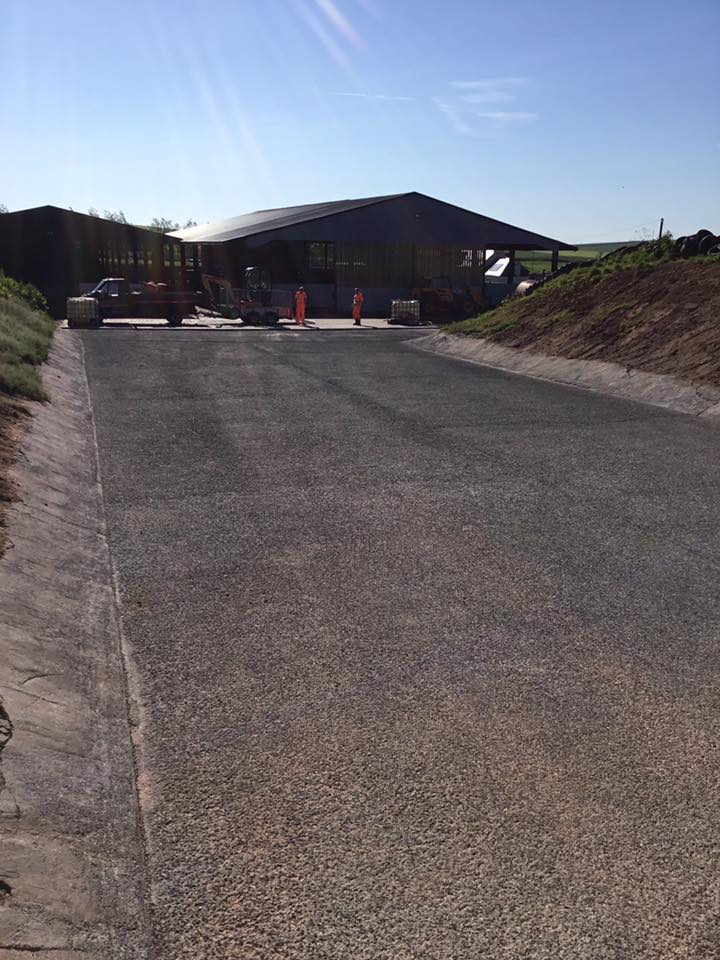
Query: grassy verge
x=549 y=299
x=25 y=336
x=26 y=332
x=642 y=308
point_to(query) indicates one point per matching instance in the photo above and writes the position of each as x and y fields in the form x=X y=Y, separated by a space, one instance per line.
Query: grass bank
x=25 y=337
x=641 y=308
x=26 y=332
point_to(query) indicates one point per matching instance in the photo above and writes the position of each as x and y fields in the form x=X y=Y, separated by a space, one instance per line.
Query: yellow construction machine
x=257 y=303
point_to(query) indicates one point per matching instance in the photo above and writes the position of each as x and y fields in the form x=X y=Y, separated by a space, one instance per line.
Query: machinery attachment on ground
x=256 y=303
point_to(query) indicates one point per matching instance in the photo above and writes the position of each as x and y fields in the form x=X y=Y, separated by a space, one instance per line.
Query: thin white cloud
x=376 y=96
x=489 y=90
x=488 y=96
x=507 y=116
x=463 y=108
x=452 y=115
x=489 y=83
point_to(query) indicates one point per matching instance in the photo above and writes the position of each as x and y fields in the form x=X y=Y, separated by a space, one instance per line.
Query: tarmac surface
x=426 y=653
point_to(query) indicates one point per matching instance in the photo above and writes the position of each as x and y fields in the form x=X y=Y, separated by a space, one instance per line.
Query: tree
x=163 y=225
x=3 y=208
x=118 y=217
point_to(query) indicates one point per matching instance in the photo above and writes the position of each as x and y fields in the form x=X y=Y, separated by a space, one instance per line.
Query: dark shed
x=386 y=245
x=59 y=251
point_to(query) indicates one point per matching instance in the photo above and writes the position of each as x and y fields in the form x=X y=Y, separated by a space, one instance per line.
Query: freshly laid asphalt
x=427 y=653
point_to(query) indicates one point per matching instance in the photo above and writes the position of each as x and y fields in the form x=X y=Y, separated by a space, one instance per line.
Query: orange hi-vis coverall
x=300 y=304
x=357 y=306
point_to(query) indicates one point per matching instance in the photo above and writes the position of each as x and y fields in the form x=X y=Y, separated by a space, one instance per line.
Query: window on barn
x=316 y=256
x=321 y=256
x=465 y=258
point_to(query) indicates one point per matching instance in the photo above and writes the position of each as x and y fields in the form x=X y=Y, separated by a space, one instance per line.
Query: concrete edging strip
x=71 y=849
x=661 y=390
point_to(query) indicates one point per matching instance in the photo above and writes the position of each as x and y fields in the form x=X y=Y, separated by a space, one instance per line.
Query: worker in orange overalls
x=357 y=306
x=300 y=305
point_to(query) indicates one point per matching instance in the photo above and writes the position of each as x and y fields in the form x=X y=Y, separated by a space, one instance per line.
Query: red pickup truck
x=115 y=297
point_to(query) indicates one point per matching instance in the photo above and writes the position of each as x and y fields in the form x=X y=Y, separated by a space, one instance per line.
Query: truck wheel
x=71 y=324
x=175 y=320
x=271 y=318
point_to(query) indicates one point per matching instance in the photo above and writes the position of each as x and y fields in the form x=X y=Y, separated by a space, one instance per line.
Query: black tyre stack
x=700 y=244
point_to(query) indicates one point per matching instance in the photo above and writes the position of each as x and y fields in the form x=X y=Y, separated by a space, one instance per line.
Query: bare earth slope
x=11 y=422
x=663 y=319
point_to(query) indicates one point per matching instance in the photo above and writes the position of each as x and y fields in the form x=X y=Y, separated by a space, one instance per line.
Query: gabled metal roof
x=400 y=217
x=235 y=228
x=64 y=214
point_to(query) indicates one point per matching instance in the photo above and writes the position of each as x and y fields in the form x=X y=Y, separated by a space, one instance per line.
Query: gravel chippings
x=427 y=653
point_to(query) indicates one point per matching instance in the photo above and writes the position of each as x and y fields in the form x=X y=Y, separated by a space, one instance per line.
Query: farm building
x=61 y=252
x=384 y=245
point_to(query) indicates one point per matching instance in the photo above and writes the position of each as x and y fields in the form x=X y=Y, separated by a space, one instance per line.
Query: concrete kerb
x=71 y=851
x=611 y=378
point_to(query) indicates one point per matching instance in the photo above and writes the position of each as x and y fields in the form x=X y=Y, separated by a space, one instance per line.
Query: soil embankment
x=12 y=416
x=660 y=318
x=26 y=332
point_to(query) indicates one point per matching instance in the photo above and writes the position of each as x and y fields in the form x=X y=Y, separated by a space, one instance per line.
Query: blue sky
x=584 y=121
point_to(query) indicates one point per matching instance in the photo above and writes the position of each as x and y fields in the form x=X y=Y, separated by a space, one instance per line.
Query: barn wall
x=60 y=251
x=399 y=266
x=384 y=271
